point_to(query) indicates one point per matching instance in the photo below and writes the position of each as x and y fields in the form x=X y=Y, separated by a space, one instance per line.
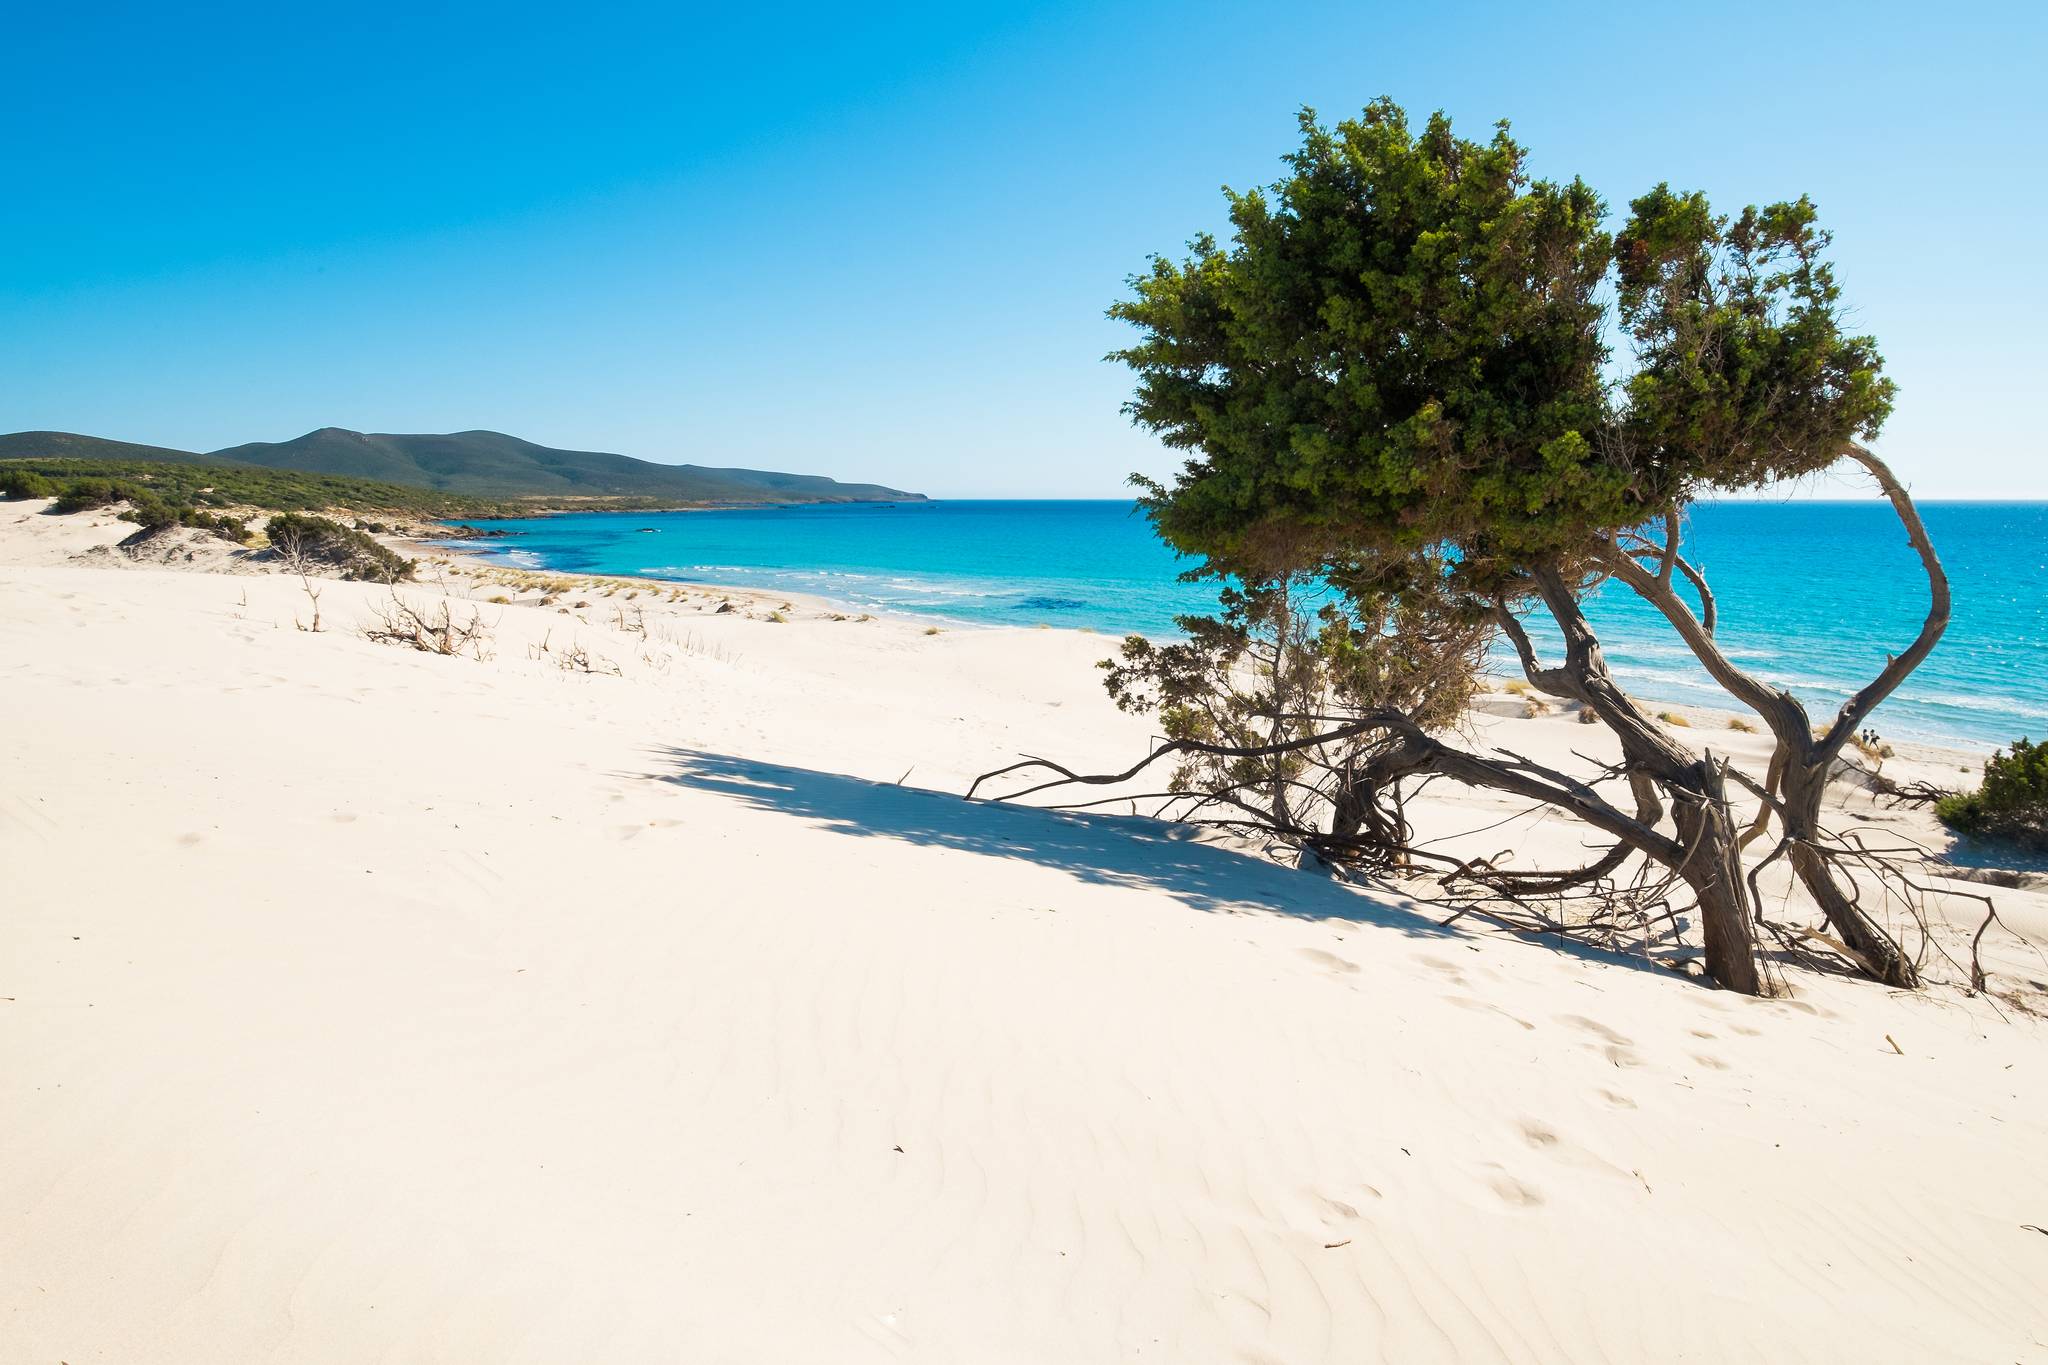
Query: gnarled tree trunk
x=1797 y=785
x=1804 y=786
x=1713 y=869
x=1710 y=860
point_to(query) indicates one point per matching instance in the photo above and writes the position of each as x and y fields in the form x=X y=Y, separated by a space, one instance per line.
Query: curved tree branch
x=1778 y=708
x=1938 y=606
x=1555 y=682
x=1709 y=612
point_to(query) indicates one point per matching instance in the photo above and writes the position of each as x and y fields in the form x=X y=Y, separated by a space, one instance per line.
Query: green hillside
x=206 y=483
x=492 y=464
x=485 y=465
x=69 y=445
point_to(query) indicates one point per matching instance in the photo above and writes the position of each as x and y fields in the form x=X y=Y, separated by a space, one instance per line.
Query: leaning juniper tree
x=1439 y=391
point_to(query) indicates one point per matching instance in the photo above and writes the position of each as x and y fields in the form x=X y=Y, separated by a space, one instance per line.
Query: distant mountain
x=492 y=464
x=483 y=464
x=69 y=445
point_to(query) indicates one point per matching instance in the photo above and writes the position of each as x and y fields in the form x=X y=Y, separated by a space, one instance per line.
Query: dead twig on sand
x=431 y=630
x=313 y=593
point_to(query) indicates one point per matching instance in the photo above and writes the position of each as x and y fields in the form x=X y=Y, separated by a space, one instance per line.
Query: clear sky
x=877 y=243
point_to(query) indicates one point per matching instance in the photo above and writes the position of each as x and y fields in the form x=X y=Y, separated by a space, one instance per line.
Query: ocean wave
x=1620 y=644
x=940 y=588
x=1985 y=702
x=722 y=568
x=1669 y=675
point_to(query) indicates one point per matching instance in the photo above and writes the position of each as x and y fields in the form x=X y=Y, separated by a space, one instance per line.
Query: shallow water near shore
x=1812 y=594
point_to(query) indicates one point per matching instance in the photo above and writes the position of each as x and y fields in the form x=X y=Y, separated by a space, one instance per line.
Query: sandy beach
x=639 y=988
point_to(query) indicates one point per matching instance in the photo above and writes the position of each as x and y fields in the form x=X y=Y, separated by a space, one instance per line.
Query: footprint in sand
x=1618 y=1101
x=1336 y=1208
x=1543 y=1138
x=1619 y=1050
x=1593 y=1026
x=1513 y=1192
x=1467 y=1002
x=1330 y=1220
x=1330 y=960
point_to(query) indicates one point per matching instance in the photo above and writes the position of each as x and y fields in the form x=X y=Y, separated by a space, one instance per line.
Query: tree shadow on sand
x=1103 y=850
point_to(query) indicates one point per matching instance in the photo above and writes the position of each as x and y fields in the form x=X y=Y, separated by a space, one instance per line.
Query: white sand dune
x=366 y=1005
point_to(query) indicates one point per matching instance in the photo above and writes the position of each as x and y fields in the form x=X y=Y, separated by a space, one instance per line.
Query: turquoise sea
x=1812 y=594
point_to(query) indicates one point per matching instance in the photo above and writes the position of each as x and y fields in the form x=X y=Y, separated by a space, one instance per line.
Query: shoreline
x=1500 y=672
x=1091 y=563
x=818 y=602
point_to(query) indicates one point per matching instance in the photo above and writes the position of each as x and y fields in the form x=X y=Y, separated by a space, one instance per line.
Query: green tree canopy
x=1406 y=349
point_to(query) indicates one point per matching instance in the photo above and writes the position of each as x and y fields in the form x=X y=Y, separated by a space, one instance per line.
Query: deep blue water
x=1812 y=594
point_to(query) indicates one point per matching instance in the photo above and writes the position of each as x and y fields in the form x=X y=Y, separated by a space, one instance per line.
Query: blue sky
x=878 y=243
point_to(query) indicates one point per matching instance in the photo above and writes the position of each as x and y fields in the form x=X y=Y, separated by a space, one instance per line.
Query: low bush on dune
x=151 y=512
x=25 y=483
x=304 y=541
x=222 y=525
x=2012 y=805
x=147 y=508
x=82 y=495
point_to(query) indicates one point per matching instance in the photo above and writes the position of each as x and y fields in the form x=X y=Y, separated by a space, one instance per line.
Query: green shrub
x=317 y=540
x=151 y=512
x=2013 y=802
x=227 y=528
x=81 y=495
x=25 y=483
